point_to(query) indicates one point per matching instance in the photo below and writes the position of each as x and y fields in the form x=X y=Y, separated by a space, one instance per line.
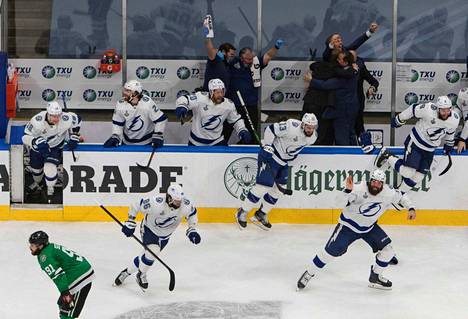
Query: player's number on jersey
x=49 y=269
x=72 y=254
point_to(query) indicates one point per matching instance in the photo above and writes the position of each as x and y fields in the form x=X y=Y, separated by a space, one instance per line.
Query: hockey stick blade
x=449 y=165
x=283 y=190
x=171 y=272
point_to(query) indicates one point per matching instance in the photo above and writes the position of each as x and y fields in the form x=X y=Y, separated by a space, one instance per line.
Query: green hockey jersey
x=67 y=269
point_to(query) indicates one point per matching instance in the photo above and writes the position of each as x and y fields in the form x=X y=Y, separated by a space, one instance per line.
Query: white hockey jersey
x=288 y=140
x=463 y=113
x=430 y=131
x=161 y=219
x=135 y=125
x=208 y=118
x=55 y=135
x=364 y=209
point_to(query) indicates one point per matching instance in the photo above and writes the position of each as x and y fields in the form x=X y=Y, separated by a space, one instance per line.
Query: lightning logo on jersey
x=370 y=209
x=161 y=219
x=208 y=118
x=430 y=130
x=135 y=125
x=364 y=209
x=287 y=139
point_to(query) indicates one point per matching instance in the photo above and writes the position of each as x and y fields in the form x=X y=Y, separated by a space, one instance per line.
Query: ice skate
x=260 y=219
x=121 y=277
x=304 y=280
x=241 y=218
x=141 y=280
x=382 y=158
x=378 y=281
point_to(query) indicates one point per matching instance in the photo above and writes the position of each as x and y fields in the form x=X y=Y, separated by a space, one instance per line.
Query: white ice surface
x=229 y=265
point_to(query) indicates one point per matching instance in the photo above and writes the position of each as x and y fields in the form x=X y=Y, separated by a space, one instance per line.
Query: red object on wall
x=11 y=91
x=110 y=62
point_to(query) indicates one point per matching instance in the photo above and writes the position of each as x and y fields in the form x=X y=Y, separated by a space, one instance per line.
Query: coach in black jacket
x=316 y=101
x=335 y=42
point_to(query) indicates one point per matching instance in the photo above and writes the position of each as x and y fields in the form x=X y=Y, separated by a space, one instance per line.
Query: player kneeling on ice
x=436 y=123
x=137 y=120
x=282 y=143
x=210 y=110
x=162 y=216
x=46 y=134
x=366 y=202
x=71 y=273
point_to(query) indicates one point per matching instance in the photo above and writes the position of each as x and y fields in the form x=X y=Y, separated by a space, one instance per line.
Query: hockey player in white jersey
x=282 y=143
x=136 y=120
x=162 y=215
x=436 y=123
x=46 y=134
x=366 y=202
x=462 y=103
x=210 y=110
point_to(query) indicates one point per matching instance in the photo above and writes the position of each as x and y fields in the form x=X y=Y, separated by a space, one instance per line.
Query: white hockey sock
x=50 y=171
x=319 y=262
x=133 y=266
x=378 y=269
x=145 y=263
x=253 y=197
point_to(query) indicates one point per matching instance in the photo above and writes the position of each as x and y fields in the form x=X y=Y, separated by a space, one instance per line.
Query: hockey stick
x=149 y=161
x=241 y=100
x=449 y=165
x=171 y=272
x=66 y=110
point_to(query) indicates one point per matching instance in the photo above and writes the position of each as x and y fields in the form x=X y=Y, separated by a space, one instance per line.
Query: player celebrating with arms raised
x=366 y=202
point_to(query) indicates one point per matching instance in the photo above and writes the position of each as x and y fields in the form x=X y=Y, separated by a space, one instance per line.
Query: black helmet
x=39 y=238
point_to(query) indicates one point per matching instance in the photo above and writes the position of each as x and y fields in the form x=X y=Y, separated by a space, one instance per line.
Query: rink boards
x=218 y=178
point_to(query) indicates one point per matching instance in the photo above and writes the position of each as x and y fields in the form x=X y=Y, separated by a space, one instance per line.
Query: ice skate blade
x=258 y=224
x=377 y=286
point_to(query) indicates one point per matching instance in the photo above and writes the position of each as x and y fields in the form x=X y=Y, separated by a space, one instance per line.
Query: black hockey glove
x=66 y=301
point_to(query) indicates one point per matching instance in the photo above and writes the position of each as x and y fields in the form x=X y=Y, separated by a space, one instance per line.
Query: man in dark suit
x=335 y=42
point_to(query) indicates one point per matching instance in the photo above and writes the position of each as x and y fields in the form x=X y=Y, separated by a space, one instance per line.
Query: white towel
x=255 y=71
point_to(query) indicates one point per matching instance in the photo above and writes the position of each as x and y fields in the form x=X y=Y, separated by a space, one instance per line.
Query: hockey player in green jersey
x=71 y=273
